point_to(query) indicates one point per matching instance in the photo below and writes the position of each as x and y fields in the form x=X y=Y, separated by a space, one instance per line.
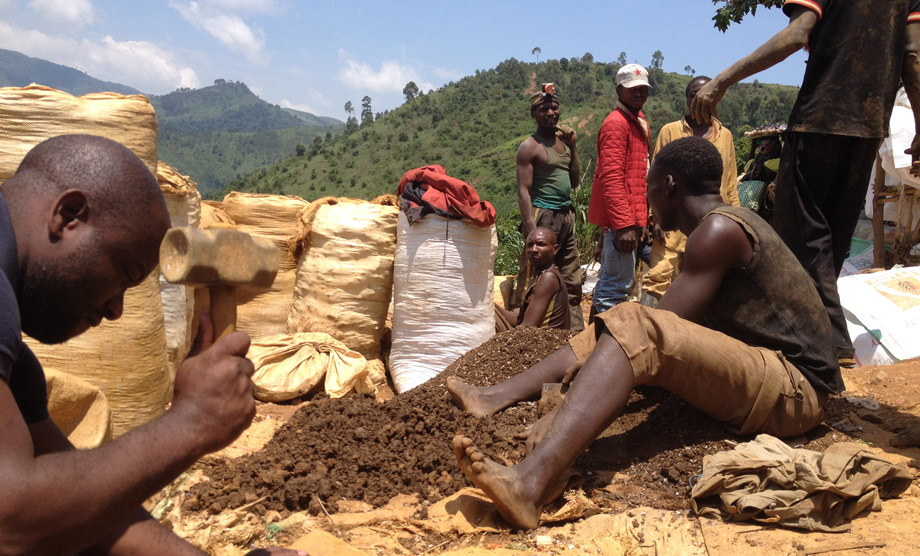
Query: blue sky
x=315 y=56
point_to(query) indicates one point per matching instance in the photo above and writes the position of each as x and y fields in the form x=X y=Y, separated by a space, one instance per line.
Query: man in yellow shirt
x=668 y=249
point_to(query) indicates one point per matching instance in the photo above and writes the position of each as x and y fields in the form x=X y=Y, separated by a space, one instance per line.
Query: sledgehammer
x=221 y=259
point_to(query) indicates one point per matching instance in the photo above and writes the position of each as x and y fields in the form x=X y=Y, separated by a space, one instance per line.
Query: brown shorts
x=750 y=389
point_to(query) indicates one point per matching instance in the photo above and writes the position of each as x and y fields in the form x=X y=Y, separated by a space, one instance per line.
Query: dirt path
x=533 y=84
x=583 y=123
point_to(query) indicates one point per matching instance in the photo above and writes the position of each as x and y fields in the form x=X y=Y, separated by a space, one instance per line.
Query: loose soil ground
x=358 y=449
x=346 y=457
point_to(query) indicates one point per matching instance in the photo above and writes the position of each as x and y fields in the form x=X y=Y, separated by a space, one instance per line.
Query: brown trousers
x=750 y=389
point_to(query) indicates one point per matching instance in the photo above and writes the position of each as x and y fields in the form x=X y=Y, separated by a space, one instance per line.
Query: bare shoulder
x=720 y=242
x=528 y=146
x=547 y=282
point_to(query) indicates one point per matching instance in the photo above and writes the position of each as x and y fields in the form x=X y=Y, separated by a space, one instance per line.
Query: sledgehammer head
x=222 y=260
x=218 y=257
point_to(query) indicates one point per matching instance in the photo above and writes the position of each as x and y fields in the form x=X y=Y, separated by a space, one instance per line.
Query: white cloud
x=448 y=75
x=285 y=103
x=227 y=28
x=391 y=77
x=138 y=64
x=69 y=12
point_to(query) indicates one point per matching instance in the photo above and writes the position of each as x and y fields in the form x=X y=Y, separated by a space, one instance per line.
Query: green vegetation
x=219 y=133
x=732 y=11
x=473 y=128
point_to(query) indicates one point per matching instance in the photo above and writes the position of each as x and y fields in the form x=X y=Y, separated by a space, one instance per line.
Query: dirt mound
x=358 y=449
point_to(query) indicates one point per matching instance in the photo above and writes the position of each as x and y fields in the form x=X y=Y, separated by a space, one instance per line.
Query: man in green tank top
x=547 y=171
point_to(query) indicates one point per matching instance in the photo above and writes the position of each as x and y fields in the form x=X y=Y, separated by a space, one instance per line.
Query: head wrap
x=540 y=97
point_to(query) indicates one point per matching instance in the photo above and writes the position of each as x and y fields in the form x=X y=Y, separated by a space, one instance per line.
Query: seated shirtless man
x=545 y=302
x=741 y=334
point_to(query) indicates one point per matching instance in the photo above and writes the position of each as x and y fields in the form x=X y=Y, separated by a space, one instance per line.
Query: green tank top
x=552 y=188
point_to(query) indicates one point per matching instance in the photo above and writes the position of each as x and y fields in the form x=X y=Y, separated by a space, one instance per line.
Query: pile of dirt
x=358 y=449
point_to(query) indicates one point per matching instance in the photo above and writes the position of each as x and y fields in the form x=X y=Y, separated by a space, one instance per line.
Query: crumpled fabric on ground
x=768 y=481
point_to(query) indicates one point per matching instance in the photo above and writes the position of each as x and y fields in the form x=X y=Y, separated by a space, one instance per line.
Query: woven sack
x=443 y=303
x=79 y=409
x=264 y=313
x=29 y=115
x=344 y=278
x=184 y=204
x=290 y=365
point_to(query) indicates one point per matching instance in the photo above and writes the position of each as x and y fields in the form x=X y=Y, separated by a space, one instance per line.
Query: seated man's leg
x=753 y=390
x=488 y=400
x=597 y=396
x=618 y=275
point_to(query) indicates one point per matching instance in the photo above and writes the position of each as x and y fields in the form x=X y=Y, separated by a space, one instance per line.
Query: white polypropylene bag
x=443 y=302
x=888 y=305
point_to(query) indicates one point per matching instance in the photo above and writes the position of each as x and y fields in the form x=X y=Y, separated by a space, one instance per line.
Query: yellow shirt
x=721 y=137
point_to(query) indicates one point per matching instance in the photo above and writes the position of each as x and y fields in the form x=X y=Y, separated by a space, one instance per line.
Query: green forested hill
x=214 y=134
x=218 y=133
x=473 y=127
x=19 y=70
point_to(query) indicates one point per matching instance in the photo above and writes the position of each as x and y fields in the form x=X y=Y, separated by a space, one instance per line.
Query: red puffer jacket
x=618 y=194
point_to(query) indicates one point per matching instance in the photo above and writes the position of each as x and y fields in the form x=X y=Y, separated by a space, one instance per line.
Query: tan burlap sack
x=290 y=365
x=126 y=358
x=264 y=313
x=184 y=204
x=29 y=115
x=79 y=409
x=344 y=271
x=214 y=215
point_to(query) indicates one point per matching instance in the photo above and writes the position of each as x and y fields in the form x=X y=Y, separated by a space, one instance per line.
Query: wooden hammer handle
x=223 y=310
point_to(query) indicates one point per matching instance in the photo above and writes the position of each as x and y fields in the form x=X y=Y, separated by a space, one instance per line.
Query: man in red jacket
x=618 y=202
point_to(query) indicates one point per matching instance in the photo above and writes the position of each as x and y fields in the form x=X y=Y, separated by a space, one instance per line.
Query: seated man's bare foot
x=468 y=398
x=501 y=484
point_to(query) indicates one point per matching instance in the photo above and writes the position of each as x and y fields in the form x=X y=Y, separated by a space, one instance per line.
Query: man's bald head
x=88 y=217
x=117 y=183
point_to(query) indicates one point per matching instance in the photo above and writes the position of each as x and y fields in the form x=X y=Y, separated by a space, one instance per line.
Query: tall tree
x=351 y=123
x=537 y=50
x=621 y=59
x=734 y=10
x=367 y=114
x=657 y=59
x=410 y=90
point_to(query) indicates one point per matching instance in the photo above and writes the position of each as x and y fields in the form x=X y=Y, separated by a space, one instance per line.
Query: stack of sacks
x=264 y=313
x=184 y=204
x=126 y=359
